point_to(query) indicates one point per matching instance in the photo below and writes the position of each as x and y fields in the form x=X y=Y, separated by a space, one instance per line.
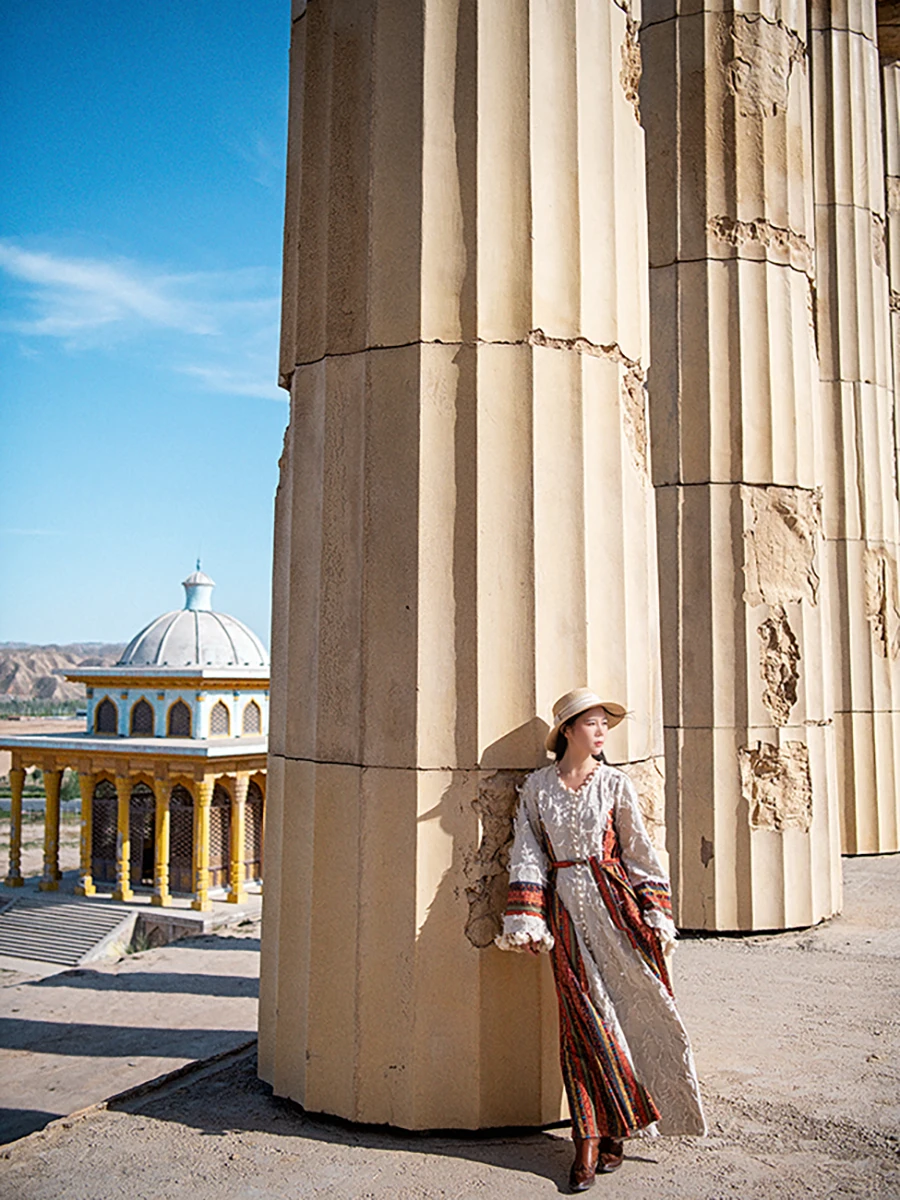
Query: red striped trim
x=527 y=899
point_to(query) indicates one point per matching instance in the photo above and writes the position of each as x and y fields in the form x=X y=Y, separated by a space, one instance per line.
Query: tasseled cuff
x=520 y=932
x=525 y=921
x=654 y=894
x=663 y=925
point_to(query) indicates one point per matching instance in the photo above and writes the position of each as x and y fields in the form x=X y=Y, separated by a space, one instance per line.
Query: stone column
x=122 y=890
x=161 y=897
x=862 y=522
x=52 y=873
x=85 y=885
x=16 y=787
x=738 y=463
x=236 y=892
x=465 y=529
x=203 y=791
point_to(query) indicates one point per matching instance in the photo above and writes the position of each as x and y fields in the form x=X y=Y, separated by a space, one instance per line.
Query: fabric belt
x=569 y=862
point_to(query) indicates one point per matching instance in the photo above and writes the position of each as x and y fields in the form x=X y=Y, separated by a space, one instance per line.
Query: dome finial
x=198 y=591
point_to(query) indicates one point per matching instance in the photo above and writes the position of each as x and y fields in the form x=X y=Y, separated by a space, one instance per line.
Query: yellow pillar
x=85 y=885
x=161 y=897
x=236 y=893
x=16 y=786
x=202 y=800
x=123 y=840
x=52 y=873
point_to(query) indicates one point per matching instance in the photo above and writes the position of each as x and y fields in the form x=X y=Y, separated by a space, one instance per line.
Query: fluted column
x=738 y=463
x=861 y=516
x=203 y=791
x=85 y=885
x=16 y=787
x=52 y=874
x=122 y=890
x=465 y=529
x=890 y=84
x=161 y=897
x=238 y=874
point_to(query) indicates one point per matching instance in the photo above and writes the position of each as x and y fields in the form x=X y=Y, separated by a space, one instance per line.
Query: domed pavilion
x=171 y=766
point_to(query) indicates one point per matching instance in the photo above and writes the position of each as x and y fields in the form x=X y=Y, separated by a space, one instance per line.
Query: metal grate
x=253 y=832
x=218 y=720
x=141 y=833
x=181 y=845
x=142 y=720
x=179 y=724
x=252 y=719
x=106 y=718
x=104 y=832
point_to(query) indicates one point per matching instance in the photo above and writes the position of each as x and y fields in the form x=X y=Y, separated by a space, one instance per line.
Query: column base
x=49 y=885
x=201 y=905
x=14 y=881
x=85 y=889
x=236 y=897
x=161 y=900
x=123 y=894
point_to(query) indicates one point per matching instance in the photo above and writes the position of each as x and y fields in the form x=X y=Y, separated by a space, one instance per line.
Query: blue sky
x=140 y=245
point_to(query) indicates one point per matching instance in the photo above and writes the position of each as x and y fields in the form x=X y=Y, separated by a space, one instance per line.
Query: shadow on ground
x=151 y=981
x=234 y=1100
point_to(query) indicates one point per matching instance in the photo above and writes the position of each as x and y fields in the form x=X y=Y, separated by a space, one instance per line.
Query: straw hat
x=579 y=701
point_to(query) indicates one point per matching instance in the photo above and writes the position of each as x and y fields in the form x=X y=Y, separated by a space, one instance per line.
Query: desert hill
x=36 y=672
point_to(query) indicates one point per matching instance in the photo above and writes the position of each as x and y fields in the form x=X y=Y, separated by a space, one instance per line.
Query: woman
x=586 y=885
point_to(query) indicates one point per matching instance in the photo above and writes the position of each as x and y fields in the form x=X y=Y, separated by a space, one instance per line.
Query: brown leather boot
x=609 y=1155
x=584 y=1168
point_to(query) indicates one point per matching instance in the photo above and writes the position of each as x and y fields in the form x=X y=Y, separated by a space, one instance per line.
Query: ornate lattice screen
x=179 y=724
x=219 y=836
x=253 y=835
x=252 y=720
x=142 y=720
x=141 y=830
x=106 y=718
x=104 y=832
x=181 y=844
x=218 y=720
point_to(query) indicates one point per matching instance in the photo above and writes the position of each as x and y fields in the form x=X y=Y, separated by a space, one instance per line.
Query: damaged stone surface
x=784 y=244
x=882 y=608
x=630 y=75
x=632 y=389
x=779 y=654
x=776 y=783
x=782 y=527
x=761 y=57
x=879 y=242
x=487 y=868
x=649 y=779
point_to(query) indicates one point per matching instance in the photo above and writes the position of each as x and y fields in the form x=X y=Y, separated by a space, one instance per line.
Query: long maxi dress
x=587 y=886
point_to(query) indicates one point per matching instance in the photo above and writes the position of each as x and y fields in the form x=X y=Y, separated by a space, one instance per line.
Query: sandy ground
x=797 y=1039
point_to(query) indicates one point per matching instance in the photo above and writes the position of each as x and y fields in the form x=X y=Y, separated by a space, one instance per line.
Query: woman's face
x=587 y=733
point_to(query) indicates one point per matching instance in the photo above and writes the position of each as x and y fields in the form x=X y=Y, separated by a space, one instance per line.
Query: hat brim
x=614 y=714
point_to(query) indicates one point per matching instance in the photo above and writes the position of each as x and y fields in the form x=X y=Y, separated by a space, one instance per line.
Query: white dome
x=195 y=636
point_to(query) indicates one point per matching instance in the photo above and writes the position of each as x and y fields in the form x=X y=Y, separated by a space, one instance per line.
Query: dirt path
x=797 y=1038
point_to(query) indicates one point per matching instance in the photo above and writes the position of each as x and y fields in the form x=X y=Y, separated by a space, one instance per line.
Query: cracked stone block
x=882 y=601
x=779 y=654
x=487 y=869
x=783 y=527
x=776 y=783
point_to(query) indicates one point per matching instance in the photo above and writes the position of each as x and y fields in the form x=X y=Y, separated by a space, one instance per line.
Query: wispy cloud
x=219 y=328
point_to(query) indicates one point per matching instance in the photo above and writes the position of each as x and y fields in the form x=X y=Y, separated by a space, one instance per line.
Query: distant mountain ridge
x=36 y=672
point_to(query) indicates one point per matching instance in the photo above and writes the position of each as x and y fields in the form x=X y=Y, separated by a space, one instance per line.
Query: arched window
x=253 y=832
x=219 y=722
x=106 y=718
x=252 y=720
x=219 y=837
x=142 y=719
x=179 y=723
x=181 y=844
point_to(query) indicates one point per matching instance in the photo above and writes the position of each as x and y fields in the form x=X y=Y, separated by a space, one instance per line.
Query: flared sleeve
x=525 y=919
x=643 y=867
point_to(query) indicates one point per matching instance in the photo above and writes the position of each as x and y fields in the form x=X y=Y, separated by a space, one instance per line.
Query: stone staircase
x=67 y=931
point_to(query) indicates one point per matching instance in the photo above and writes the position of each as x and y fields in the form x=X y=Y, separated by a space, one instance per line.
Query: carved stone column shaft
x=465 y=529
x=738 y=464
